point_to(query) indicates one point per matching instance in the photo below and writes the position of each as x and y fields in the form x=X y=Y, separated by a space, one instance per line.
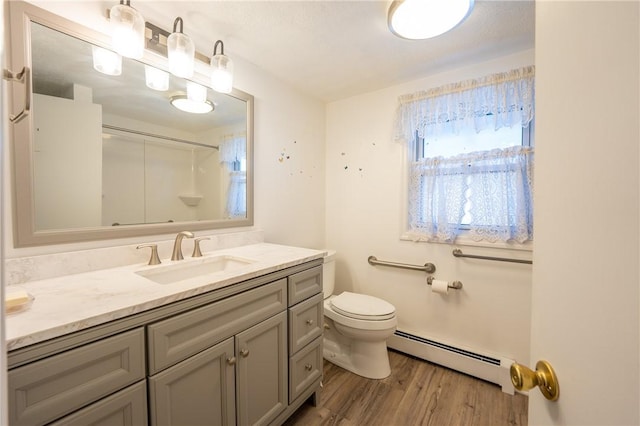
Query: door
x=197 y=391
x=262 y=374
x=585 y=297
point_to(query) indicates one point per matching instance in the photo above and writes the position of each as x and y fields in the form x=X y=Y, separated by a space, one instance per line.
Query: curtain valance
x=233 y=148
x=497 y=100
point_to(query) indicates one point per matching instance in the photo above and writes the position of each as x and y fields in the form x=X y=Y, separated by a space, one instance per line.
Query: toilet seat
x=362 y=307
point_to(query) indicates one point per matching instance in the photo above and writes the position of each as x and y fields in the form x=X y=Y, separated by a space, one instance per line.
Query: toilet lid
x=362 y=306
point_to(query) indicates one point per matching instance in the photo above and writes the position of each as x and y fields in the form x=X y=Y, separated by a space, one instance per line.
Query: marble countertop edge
x=75 y=302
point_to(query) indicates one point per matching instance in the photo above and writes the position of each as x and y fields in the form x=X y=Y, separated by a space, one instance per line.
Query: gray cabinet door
x=262 y=384
x=197 y=391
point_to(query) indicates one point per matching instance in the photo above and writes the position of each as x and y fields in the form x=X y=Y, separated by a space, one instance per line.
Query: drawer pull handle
x=308 y=367
x=231 y=361
x=244 y=353
x=309 y=322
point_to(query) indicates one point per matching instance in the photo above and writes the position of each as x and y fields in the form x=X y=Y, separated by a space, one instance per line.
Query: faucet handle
x=154 y=260
x=196 y=247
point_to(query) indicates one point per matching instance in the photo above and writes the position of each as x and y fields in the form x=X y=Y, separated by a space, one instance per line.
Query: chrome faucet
x=177 y=246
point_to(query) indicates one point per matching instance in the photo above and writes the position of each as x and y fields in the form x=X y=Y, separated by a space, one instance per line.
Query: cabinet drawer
x=177 y=338
x=305 y=284
x=125 y=408
x=305 y=367
x=305 y=322
x=53 y=387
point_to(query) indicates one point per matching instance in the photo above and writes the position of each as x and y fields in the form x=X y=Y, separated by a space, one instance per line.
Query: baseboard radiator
x=486 y=367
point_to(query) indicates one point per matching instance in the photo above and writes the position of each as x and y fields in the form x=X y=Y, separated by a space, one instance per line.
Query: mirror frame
x=18 y=38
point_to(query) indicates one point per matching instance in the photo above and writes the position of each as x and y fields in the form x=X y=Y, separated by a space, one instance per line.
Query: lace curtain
x=498 y=184
x=503 y=99
x=233 y=150
x=237 y=195
x=488 y=194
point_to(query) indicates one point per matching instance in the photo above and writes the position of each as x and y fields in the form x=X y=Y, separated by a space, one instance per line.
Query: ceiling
x=336 y=49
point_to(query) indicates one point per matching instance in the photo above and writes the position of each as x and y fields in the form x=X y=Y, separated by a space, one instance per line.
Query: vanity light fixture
x=221 y=70
x=180 y=51
x=196 y=92
x=127 y=30
x=422 y=19
x=106 y=61
x=156 y=79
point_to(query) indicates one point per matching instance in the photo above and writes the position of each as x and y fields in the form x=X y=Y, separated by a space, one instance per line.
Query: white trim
x=463 y=240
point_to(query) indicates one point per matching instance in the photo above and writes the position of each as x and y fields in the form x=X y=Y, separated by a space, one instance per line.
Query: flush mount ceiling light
x=422 y=19
x=183 y=103
x=181 y=52
x=127 y=30
x=106 y=61
x=221 y=70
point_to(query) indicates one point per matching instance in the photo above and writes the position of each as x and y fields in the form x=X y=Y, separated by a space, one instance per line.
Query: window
x=233 y=155
x=471 y=159
x=467 y=142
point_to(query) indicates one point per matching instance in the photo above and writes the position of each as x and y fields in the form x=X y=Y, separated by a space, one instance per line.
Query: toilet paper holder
x=457 y=285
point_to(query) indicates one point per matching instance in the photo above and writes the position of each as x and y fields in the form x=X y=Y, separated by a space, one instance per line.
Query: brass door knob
x=523 y=379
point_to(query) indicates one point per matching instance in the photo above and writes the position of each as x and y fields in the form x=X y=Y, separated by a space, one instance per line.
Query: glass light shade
x=422 y=19
x=181 y=52
x=127 y=31
x=221 y=74
x=196 y=92
x=106 y=61
x=183 y=103
x=156 y=79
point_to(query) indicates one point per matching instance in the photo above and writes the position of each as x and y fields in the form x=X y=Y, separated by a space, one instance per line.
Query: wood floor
x=416 y=393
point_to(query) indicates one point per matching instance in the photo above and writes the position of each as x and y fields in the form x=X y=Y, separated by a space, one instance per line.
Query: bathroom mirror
x=105 y=156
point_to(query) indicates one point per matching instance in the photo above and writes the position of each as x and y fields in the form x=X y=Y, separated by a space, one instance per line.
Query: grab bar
x=429 y=268
x=458 y=253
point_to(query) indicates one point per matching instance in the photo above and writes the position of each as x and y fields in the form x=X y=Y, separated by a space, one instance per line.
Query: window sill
x=466 y=241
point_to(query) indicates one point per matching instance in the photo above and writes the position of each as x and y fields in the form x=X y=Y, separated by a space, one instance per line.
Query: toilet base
x=366 y=359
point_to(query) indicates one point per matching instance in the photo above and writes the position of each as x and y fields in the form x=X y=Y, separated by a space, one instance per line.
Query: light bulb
x=156 y=79
x=127 y=31
x=196 y=92
x=221 y=74
x=106 y=61
x=181 y=52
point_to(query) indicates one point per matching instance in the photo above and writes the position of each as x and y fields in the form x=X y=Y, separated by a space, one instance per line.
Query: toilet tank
x=329 y=273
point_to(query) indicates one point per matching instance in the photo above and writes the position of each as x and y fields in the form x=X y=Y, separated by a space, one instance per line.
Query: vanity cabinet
x=48 y=389
x=247 y=354
x=244 y=374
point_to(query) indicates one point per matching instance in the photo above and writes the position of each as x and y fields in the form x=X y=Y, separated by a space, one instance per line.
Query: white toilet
x=356 y=328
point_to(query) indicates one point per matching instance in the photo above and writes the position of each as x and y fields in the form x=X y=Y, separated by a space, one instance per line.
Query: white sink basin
x=187 y=269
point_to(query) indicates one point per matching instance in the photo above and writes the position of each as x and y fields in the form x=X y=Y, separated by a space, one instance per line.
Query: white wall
x=67 y=162
x=289 y=194
x=365 y=191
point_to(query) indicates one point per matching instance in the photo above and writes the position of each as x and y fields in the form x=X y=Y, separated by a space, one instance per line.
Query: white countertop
x=74 y=302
